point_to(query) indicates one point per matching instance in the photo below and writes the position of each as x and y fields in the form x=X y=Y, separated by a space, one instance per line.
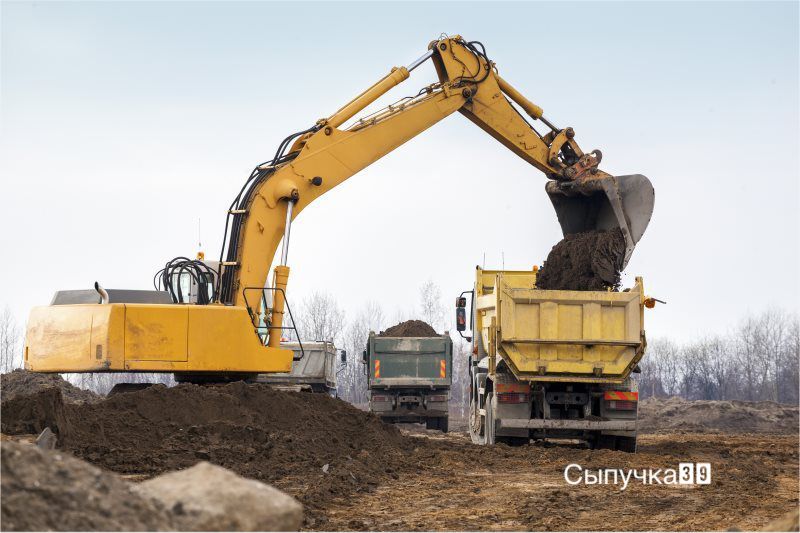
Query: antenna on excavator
x=200 y=254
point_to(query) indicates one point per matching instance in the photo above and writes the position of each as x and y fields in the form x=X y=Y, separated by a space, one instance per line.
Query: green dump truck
x=409 y=378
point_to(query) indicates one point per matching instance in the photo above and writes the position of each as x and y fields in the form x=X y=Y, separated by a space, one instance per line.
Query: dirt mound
x=31 y=414
x=410 y=328
x=676 y=414
x=21 y=382
x=46 y=491
x=588 y=261
x=314 y=447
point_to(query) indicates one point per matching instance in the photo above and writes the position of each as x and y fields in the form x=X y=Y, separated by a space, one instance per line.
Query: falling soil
x=21 y=382
x=588 y=261
x=52 y=491
x=410 y=328
x=677 y=414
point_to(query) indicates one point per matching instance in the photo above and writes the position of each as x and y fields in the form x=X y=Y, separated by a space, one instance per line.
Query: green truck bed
x=409 y=361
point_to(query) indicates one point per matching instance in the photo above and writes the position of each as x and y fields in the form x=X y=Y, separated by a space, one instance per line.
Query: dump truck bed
x=410 y=361
x=569 y=336
x=314 y=364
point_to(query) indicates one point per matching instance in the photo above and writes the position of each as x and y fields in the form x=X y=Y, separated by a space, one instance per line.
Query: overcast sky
x=125 y=123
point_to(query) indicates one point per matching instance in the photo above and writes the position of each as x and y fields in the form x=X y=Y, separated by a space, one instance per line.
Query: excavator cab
x=604 y=203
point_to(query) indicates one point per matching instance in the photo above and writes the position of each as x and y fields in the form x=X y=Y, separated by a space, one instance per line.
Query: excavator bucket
x=604 y=203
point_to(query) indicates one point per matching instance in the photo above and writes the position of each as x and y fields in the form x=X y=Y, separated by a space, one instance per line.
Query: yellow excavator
x=235 y=326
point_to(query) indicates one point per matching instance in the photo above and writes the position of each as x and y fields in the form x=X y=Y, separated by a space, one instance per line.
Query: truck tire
x=513 y=441
x=626 y=444
x=476 y=422
x=431 y=423
x=443 y=421
x=488 y=429
x=605 y=442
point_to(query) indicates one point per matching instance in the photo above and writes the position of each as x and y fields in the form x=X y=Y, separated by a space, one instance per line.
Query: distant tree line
x=757 y=360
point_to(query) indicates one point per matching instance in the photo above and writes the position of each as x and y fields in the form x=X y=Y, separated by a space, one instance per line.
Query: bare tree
x=10 y=345
x=758 y=360
x=320 y=318
x=431 y=309
x=353 y=377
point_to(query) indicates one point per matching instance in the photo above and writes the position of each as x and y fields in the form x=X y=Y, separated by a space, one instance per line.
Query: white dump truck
x=314 y=368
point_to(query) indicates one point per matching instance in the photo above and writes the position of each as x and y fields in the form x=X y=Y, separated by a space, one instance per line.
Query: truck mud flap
x=592 y=425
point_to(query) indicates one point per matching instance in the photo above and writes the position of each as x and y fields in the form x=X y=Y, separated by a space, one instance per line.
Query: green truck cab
x=409 y=378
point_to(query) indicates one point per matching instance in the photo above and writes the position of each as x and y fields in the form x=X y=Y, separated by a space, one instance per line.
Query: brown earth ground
x=353 y=472
x=754 y=481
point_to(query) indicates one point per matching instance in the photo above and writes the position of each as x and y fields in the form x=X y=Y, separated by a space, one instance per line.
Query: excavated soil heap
x=51 y=491
x=314 y=447
x=410 y=328
x=658 y=415
x=21 y=382
x=588 y=261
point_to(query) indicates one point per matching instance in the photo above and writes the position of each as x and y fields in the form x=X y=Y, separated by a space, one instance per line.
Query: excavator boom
x=240 y=330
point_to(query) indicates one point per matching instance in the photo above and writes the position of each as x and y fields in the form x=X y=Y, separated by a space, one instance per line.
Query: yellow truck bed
x=569 y=336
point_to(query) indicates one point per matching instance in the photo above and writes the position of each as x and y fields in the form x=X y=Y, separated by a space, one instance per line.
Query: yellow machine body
x=548 y=335
x=225 y=336
x=148 y=337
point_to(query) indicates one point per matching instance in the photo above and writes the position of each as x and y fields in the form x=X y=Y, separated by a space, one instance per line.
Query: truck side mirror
x=343 y=355
x=461 y=319
x=364 y=357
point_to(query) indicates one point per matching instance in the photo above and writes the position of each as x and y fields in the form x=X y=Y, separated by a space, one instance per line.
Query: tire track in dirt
x=754 y=481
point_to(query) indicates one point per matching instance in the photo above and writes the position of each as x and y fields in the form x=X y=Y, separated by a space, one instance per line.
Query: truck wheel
x=605 y=442
x=431 y=423
x=513 y=441
x=476 y=425
x=443 y=424
x=488 y=431
x=626 y=444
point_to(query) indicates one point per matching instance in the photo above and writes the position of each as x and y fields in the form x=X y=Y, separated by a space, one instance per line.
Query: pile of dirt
x=51 y=491
x=588 y=261
x=314 y=447
x=658 y=415
x=21 y=382
x=410 y=328
x=30 y=414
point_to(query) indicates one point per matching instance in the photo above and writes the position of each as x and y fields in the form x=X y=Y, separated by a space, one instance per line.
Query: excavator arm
x=178 y=338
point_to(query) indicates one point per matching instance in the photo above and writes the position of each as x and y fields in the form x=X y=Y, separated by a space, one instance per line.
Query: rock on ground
x=48 y=490
x=211 y=498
